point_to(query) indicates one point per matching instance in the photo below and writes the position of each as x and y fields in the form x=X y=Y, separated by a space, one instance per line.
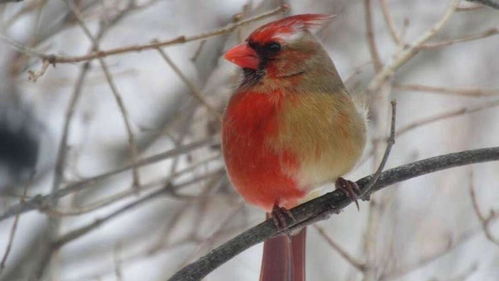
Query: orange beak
x=244 y=56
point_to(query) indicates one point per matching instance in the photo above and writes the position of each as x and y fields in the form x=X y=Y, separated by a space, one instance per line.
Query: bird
x=290 y=127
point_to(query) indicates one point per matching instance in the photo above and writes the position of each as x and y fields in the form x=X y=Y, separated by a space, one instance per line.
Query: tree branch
x=484 y=220
x=491 y=3
x=322 y=207
x=405 y=54
x=55 y=59
x=371 y=42
x=389 y=22
x=467 y=92
x=40 y=201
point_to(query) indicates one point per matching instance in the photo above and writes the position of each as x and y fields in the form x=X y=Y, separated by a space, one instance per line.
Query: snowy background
x=422 y=229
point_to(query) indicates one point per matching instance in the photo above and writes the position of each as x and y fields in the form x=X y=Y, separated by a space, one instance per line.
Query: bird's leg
x=350 y=188
x=281 y=216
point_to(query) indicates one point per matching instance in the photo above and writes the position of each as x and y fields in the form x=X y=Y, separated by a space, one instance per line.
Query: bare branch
x=13 y=231
x=124 y=194
x=451 y=245
x=487 y=33
x=218 y=229
x=373 y=50
x=41 y=201
x=7 y=1
x=361 y=266
x=484 y=220
x=77 y=233
x=411 y=50
x=446 y=115
x=53 y=59
x=389 y=143
x=34 y=75
x=132 y=145
x=389 y=21
x=196 y=92
x=326 y=205
x=118 y=272
x=469 y=92
x=198 y=51
x=54 y=223
x=471 y=7
x=491 y=3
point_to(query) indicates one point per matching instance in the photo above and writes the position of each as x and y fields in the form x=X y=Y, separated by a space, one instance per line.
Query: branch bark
x=40 y=201
x=491 y=3
x=322 y=207
x=55 y=59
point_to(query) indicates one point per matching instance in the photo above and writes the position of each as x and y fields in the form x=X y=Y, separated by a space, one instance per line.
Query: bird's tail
x=284 y=258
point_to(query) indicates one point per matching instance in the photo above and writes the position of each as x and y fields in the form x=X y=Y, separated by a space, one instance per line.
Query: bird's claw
x=281 y=217
x=350 y=188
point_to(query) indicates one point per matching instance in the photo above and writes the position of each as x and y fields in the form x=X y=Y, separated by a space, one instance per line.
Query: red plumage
x=255 y=170
x=288 y=25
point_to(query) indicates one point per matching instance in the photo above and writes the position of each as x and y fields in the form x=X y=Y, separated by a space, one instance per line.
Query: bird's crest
x=288 y=26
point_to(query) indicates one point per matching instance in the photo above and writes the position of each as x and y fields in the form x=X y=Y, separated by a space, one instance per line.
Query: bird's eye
x=273 y=47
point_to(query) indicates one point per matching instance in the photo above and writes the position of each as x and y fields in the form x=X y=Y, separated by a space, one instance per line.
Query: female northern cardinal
x=290 y=127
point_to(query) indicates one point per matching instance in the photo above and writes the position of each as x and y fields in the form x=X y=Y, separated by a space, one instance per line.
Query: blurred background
x=110 y=166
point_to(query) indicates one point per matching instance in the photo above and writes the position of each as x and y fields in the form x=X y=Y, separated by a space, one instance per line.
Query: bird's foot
x=350 y=188
x=281 y=217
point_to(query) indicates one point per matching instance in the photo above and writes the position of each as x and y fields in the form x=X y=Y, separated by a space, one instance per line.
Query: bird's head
x=281 y=48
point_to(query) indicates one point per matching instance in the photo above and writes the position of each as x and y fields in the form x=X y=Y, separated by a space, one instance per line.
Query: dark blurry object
x=19 y=144
x=7 y=1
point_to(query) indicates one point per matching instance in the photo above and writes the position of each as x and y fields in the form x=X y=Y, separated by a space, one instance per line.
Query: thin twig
x=194 y=90
x=487 y=33
x=467 y=8
x=118 y=272
x=40 y=201
x=13 y=229
x=326 y=205
x=127 y=261
x=54 y=222
x=198 y=51
x=452 y=244
x=218 y=229
x=53 y=59
x=124 y=194
x=77 y=233
x=389 y=22
x=469 y=92
x=389 y=143
x=411 y=50
x=34 y=75
x=373 y=50
x=361 y=266
x=174 y=221
x=22 y=48
x=132 y=144
x=491 y=3
x=484 y=220
x=446 y=115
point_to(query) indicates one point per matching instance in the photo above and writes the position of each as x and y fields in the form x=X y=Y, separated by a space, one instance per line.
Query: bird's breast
x=278 y=146
x=261 y=173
